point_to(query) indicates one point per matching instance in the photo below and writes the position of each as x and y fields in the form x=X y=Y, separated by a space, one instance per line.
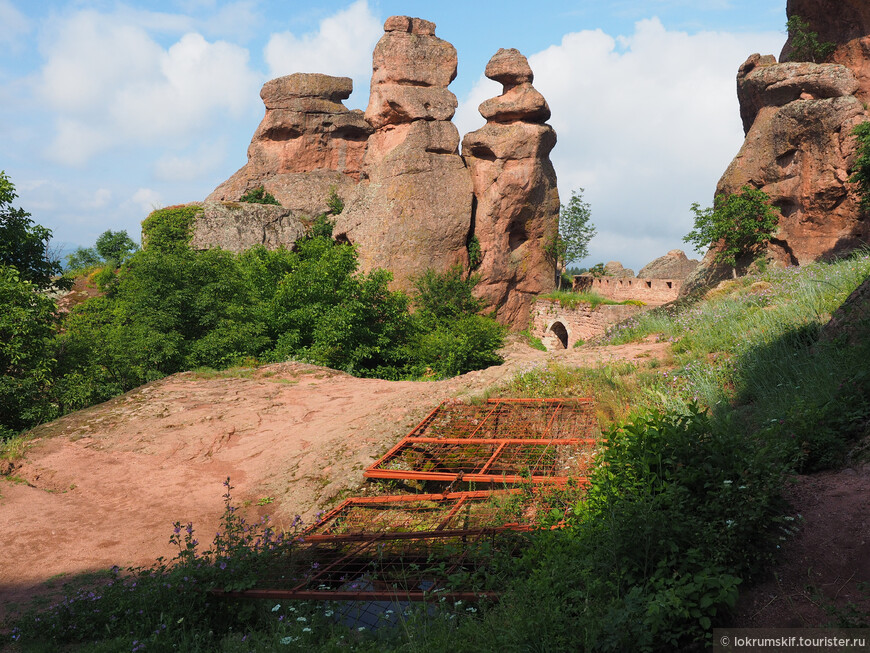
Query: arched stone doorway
x=558 y=329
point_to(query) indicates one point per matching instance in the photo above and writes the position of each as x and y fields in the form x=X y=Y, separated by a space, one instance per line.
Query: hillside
x=107 y=482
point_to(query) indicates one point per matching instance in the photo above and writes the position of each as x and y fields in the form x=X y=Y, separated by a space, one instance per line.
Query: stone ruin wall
x=649 y=291
x=559 y=327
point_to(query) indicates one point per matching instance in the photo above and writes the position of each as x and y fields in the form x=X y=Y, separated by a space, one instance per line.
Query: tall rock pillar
x=412 y=208
x=517 y=202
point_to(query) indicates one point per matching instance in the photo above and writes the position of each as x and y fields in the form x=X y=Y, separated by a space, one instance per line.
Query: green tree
x=24 y=244
x=571 y=243
x=27 y=320
x=861 y=168
x=740 y=224
x=115 y=246
x=805 y=44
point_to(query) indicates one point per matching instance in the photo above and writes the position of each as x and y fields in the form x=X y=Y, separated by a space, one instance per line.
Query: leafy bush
x=334 y=202
x=259 y=195
x=805 y=44
x=475 y=254
x=741 y=224
x=171 y=229
x=27 y=320
x=24 y=244
x=861 y=168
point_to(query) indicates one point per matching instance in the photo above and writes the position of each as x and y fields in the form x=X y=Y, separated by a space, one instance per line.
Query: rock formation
x=237 y=226
x=412 y=208
x=515 y=191
x=411 y=201
x=307 y=142
x=616 y=270
x=673 y=265
x=798 y=118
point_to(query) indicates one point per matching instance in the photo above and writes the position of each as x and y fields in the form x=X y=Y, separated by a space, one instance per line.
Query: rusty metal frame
x=377 y=567
x=501 y=441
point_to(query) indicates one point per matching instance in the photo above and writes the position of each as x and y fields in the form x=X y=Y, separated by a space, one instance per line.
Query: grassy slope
x=684 y=511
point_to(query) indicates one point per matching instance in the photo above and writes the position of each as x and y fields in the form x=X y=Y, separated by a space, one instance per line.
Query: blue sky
x=108 y=109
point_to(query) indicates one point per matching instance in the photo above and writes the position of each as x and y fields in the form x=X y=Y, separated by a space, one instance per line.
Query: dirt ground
x=103 y=486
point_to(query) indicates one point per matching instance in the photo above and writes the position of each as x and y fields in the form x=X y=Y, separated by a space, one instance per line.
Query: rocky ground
x=103 y=486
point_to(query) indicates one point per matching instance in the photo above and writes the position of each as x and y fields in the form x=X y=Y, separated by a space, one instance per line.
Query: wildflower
x=306 y=630
x=361 y=628
x=301 y=619
x=276 y=608
x=288 y=640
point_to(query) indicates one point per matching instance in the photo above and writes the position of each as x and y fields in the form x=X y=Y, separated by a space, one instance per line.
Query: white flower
x=306 y=629
x=301 y=619
x=276 y=608
x=287 y=640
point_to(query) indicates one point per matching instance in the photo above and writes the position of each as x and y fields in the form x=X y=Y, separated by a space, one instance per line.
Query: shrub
x=475 y=254
x=861 y=168
x=27 y=320
x=259 y=195
x=171 y=229
x=741 y=224
x=805 y=44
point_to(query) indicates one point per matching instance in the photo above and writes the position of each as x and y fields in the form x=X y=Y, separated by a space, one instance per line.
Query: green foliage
x=27 y=320
x=805 y=45
x=259 y=195
x=532 y=341
x=743 y=223
x=169 y=230
x=24 y=244
x=321 y=227
x=451 y=338
x=334 y=202
x=475 y=254
x=571 y=242
x=861 y=168
x=83 y=258
x=571 y=299
x=115 y=246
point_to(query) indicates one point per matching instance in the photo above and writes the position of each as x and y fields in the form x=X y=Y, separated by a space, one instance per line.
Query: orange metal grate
x=410 y=513
x=503 y=440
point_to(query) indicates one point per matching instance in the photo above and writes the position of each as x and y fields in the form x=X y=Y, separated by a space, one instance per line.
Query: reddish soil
x=826 y=565
x=103 y=486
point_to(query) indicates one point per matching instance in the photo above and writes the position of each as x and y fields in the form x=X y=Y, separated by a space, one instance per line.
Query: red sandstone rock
x=673 y=265
x=412 y=208
x=616 y=270
x=835 y=21
x=798 y=149
x=307 y=142
x=515 y=188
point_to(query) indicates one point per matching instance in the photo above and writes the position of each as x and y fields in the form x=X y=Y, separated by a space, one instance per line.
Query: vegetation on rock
x=739 y=225
x=861 y=168
x=169 y=230
x=259 y=195
x=571 y=243
x=805 y=44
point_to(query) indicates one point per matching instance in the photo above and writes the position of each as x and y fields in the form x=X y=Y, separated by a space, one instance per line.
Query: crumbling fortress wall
x=412 y=201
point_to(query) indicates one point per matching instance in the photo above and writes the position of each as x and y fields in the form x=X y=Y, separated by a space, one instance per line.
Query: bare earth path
x=103 y=486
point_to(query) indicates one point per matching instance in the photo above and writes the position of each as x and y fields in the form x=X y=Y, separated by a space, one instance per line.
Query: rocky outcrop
x=412 y=208
x=307 y=143
x=617 y=270
x=673 y=265
x=517 y=203
x=237 y=226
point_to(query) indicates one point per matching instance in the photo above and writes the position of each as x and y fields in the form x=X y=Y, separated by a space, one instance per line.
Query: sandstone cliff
x=798 y=118
x=515 y=188
x=412 y=208
x=307 y=143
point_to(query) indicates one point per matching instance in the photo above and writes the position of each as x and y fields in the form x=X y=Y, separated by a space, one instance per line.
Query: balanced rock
x=412 y=208
x=515 y=188
x=307 y=143
x=673 y=265
x=237 y=226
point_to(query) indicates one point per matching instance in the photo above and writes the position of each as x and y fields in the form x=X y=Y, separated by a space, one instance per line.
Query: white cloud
x=342 y=46
x=13 y=24
x=646 y=124
x=147 y=200
x=189 y=167
x=238 y=21
x=111 y=84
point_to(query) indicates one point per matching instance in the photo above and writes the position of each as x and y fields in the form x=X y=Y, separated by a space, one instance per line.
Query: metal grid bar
x=413 y=513
x=507 y=441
